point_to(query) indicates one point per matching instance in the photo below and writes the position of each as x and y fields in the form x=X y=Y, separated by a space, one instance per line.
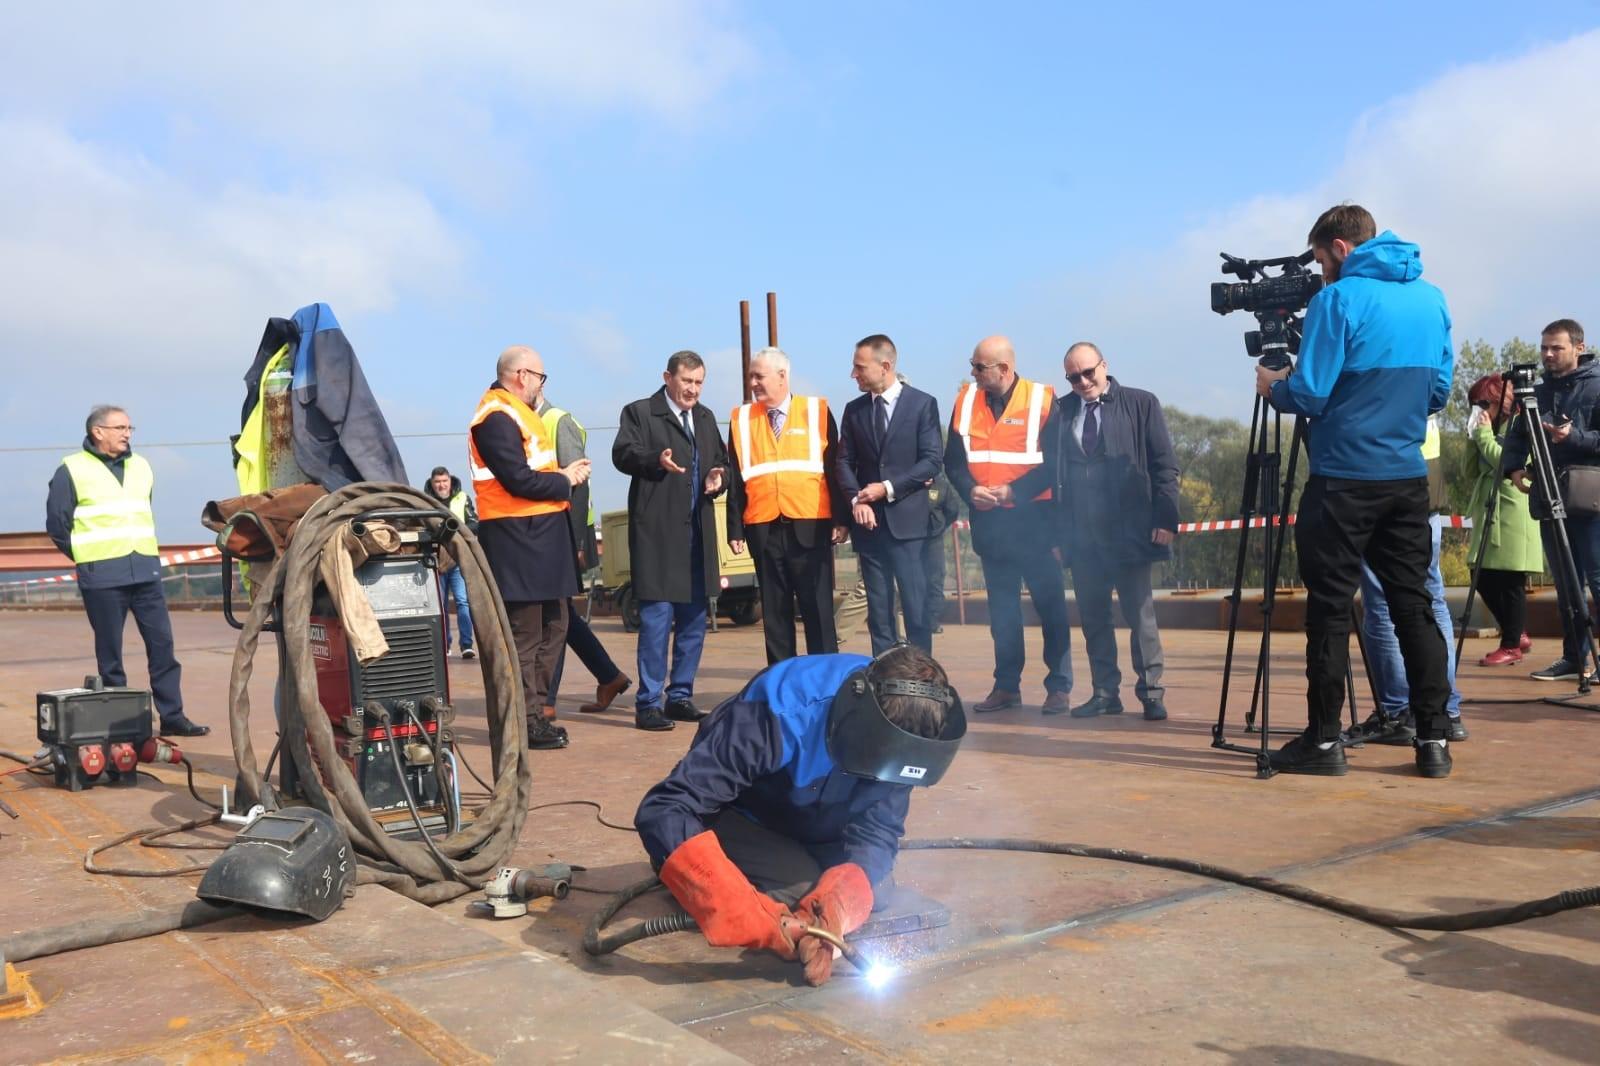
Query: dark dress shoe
x=684 y=711
x=542 y=736
x=1155 y=711
x=1056 y=703
x=1458 y=730
x=652 y=720
x=1303 y=756
x=998 y=700
x=1098 y=704
x=184 y=728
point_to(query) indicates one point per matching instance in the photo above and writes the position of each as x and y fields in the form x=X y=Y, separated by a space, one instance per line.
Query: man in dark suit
x=1116 y=502
x=889 y=452
x=669 y=445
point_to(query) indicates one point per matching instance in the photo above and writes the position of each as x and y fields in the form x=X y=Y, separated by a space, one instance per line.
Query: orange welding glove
x=840 y=902
x=730 y=911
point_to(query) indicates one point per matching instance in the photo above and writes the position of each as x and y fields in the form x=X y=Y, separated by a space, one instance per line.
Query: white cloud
x=1490 y=169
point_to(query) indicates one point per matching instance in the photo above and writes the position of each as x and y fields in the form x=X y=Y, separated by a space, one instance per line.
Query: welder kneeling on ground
x=794 y=795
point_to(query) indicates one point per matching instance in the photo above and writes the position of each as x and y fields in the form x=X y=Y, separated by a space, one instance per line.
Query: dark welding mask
x=864 y=743
x=296 y=860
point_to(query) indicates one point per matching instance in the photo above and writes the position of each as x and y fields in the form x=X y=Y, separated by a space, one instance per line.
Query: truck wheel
x=744 y=612
x=628 y=608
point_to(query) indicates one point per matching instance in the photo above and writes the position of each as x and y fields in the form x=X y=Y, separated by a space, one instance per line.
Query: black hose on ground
x=596 y=941
x=410 y=868
x=41 y=942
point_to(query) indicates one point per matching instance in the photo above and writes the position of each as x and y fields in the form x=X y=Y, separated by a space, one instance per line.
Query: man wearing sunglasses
x=99 y=515
x=523 y=500
x=1115 y=480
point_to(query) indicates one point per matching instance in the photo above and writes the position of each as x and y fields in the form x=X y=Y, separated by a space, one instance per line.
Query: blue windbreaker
x=1375 y=361
x=764 y=753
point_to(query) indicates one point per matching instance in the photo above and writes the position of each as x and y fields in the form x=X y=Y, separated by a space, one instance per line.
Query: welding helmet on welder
x=296 y=860
x=863 y=742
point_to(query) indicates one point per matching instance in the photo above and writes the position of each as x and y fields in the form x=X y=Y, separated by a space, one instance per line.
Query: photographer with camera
x=1375 y=361
x=1567 y=396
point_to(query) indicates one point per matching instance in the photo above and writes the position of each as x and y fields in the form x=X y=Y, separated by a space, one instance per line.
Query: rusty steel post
x=772 y=320
x=744 y=348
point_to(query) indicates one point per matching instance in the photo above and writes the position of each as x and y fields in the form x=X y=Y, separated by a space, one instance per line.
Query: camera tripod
x=1571 y=597
x=1262 y=495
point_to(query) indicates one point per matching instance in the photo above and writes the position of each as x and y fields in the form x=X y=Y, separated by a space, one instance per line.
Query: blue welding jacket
x=764 y=753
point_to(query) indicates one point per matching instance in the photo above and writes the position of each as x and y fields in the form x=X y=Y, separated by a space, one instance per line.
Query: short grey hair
x=1091 y=345
x=97 y=416
x=771 y=355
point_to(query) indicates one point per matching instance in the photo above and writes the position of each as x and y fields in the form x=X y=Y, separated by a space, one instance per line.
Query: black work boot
x=542 y=736
x=1433 y=758
x=1303 y=755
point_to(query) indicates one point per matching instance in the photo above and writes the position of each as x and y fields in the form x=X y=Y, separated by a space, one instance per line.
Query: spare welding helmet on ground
x=863 y=742
x=296 y=860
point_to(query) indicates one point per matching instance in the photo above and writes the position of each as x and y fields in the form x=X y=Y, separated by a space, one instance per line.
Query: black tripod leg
x=1247 y=511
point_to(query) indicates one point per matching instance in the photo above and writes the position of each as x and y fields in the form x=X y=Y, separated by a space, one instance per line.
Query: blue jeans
x=684 y=624
x=456 y=585
x=1383 y=648
x=1583 y=533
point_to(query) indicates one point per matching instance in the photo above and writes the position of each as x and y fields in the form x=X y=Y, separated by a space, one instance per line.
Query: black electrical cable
x=599 y=814
x=144 y=836
x=445 y=865
x=596 y=941
x=286 y=591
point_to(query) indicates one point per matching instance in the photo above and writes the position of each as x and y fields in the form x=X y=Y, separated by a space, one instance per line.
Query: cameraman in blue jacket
x=1375 y=361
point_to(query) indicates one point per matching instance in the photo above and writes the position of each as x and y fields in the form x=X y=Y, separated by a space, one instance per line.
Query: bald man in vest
x=99 y=515
x=784 y=504
x=994 y=439
x=523 y=500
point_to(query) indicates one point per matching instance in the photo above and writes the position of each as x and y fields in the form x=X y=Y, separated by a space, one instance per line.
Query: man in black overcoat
x=669 y=445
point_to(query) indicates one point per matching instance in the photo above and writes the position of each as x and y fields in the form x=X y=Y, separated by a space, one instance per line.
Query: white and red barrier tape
x=1449 y=521
x=175 y=559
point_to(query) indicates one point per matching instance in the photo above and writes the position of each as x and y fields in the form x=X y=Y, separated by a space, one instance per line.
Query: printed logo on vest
x=1013 y=421
x=916 y=773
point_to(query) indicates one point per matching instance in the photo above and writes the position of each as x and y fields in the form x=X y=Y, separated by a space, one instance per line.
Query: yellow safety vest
x=458 y=506
x=112 y=519
x=552 y=417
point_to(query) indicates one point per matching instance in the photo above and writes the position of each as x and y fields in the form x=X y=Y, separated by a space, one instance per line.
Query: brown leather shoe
x=1056 y=703
x=998 y=700
x=604 y=694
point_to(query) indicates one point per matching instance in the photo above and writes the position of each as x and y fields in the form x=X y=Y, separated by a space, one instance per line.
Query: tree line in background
x=1212 y=462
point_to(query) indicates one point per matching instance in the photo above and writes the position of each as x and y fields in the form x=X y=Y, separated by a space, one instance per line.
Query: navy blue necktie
x=694 y=462
x=1091 y=426
x=881 y=422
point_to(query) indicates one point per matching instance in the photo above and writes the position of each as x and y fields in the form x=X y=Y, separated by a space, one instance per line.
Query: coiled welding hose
x=598 y=941
x=433 y=871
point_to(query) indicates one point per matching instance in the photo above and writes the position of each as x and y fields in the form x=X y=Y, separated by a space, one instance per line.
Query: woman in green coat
x=1513 y=550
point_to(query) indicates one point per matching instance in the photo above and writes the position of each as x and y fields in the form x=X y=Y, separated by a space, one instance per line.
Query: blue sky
x=606 y=183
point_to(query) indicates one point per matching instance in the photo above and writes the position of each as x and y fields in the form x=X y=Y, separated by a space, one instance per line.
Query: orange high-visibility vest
x=782 y=477
x=1000 y=452
x=493 y=499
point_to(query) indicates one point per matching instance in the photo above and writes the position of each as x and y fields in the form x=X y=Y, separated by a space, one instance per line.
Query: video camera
x=1276 y=300
x=1521 y=377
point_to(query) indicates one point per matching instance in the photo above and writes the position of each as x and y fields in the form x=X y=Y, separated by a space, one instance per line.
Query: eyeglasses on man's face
x=983 y=368
x=541 y=375
x=1085 y=375
x=118 y=429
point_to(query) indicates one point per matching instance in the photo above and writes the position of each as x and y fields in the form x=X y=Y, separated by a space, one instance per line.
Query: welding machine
x=392 y=709
x=94 y=734
x=394 y=712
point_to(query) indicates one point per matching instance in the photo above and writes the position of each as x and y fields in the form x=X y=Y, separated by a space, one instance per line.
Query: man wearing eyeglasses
x=995 y=434
x=1115 y=477
x=523 y=499
x=99 y=515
